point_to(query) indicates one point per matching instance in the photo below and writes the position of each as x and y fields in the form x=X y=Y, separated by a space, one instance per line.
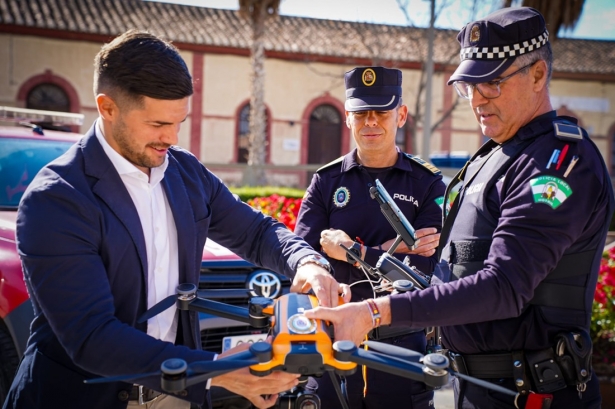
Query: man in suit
x=113 y=226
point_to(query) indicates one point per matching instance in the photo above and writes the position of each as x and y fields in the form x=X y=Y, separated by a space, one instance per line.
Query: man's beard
x=131 y=152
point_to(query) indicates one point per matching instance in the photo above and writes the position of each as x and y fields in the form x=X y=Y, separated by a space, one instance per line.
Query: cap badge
x=475 y=33
x=341 y=197
x=368 y=77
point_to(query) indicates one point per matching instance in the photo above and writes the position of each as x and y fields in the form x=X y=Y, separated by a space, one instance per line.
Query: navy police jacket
x=85 y=265
x=338 y=197
x=522 y=257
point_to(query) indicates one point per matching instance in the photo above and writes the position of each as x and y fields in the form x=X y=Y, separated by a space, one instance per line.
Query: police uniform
x=521 y=250
x=339 y=198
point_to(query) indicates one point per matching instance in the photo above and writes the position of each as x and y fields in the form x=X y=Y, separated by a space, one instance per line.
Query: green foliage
x=246 y=193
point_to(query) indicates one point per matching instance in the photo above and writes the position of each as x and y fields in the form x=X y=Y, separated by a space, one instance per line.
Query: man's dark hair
x=137 y=64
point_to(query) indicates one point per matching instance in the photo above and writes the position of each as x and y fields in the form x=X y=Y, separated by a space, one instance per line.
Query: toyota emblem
x=265 y=284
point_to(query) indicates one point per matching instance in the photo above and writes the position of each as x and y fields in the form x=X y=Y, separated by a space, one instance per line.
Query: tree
x=557 y=13
x=418 y=111
x=256 y=13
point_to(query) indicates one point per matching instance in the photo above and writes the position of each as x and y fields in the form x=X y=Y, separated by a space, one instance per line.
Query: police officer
x=522 y=242
x=337 y=209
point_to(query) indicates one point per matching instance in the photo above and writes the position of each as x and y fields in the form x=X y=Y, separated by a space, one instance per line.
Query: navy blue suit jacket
x=85 y=265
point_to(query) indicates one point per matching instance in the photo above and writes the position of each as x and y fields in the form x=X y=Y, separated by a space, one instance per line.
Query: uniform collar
x=350 y=161
x=538 y=126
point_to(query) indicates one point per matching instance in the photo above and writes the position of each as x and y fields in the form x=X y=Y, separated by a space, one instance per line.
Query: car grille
x=226 y=282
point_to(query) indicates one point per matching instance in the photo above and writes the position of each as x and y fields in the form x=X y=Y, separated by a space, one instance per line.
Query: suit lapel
x=111 y=190
x=179 y=202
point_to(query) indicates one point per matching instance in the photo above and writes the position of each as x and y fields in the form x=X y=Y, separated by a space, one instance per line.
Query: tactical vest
x=468 y=246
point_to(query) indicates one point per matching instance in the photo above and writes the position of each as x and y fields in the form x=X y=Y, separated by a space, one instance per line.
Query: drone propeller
x=393 y=350
x=186 y=293
x=414 y=356
x=158 y=308
x=175 y=366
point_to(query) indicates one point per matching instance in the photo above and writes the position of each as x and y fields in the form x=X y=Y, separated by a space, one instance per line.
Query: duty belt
x=387 y=331
x=547 y=370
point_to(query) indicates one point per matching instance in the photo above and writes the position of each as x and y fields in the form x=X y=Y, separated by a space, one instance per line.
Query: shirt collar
x=350 y=161
x=122 y=165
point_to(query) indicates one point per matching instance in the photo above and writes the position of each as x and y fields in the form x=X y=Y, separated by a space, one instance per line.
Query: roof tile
x=305 y=36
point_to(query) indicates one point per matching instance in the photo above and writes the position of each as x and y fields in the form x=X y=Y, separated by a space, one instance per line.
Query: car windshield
x=20 y=161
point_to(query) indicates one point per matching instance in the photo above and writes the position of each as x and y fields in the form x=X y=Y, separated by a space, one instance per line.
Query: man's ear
x=402 y=115
x=107 y=108
x=348 y=119
x=539 y=75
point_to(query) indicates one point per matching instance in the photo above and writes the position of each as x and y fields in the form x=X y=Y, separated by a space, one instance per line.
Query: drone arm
x=257 y=315
x=220 y=309
x=347 y=351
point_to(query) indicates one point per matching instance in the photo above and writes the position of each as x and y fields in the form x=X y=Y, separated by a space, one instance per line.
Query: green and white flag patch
x=440 y=202
x=550 y=190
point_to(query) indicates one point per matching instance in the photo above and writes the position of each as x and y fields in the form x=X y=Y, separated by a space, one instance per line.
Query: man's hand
x=326 y=289
x=425 y=245
x=330 y=241
x=262 y=391
x=352 y=321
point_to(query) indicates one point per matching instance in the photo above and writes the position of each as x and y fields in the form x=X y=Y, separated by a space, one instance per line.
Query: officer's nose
x=476 y=98
x=371 y=119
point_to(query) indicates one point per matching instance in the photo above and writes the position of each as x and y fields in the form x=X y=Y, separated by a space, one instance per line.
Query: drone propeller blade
x=222 y=365
x=393 y=350
x=484 y=384
x=122 y=378
x=158 y=308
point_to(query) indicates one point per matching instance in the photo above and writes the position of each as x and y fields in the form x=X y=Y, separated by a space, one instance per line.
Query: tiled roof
x=306 y=38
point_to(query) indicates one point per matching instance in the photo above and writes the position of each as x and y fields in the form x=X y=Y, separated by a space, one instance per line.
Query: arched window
x=325 y=134
x=48 y=97
x=243 y=133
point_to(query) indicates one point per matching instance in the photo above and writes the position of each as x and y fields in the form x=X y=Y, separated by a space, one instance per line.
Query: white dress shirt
x=160 y=235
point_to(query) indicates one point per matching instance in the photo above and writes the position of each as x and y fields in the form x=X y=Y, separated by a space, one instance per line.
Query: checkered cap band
x=506 y=51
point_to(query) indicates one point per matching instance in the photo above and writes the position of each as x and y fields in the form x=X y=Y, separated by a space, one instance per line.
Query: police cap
x=489 y=46
x=372 y=88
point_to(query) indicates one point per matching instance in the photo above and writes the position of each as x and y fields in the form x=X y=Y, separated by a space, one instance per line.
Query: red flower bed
x=603 y=317
x=279 y=207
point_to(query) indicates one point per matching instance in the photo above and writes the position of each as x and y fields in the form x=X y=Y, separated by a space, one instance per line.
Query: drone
x=305 y=346
x=299 y=345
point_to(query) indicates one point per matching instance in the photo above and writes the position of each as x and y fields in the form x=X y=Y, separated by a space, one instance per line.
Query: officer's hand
x=352 y=321
x=330 y=241
x=325 y=288
x=425 y=245
x=261 y=391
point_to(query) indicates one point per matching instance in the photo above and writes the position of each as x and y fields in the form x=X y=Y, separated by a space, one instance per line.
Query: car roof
x=23 y=132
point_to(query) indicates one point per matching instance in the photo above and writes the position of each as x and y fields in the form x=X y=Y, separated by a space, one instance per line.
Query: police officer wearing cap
x=337 y=209
x=521 y=245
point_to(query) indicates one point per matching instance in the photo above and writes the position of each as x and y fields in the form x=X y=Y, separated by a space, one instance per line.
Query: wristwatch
x=356 y=250
x=315 y=259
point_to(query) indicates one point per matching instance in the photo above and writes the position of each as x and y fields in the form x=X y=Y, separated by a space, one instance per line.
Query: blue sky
x=596 y=22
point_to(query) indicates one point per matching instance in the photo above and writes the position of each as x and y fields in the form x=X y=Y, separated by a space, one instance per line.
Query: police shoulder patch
x=330 y=164
x=550 y=190
x=568 y=132
x=424 y=164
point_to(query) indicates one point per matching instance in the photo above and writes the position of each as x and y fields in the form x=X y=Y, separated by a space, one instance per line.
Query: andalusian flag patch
x=440 y=202
x=550 y=190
